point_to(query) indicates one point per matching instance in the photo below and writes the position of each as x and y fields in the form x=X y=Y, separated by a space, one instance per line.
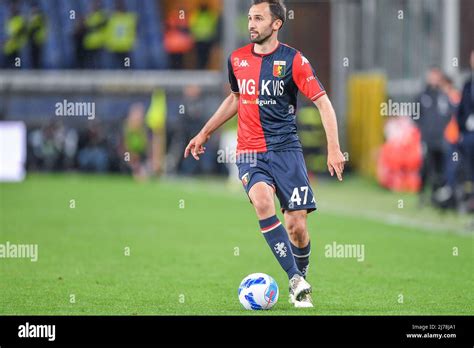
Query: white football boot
x=300 y=292
x=305 y=302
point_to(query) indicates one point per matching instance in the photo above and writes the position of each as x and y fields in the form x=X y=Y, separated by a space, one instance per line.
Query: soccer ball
x=258 y=291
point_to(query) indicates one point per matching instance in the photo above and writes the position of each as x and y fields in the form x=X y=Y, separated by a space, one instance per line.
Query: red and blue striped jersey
x=268 y=85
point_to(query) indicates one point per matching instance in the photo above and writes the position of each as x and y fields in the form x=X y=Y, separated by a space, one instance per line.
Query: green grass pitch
x=192 y=241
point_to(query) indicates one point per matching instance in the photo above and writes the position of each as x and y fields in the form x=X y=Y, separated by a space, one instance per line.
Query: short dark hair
x=277 y=8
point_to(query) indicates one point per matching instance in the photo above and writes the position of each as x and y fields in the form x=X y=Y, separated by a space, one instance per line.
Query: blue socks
x=302 y=257
x=277 y=238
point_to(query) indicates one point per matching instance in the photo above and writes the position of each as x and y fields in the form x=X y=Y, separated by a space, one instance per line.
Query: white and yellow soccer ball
x=258 y=291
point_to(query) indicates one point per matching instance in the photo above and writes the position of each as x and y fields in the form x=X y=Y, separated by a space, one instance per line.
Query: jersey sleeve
x=234 y=86
x=305 y=78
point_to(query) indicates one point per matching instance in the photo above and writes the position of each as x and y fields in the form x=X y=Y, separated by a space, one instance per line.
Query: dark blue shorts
x=285 y=171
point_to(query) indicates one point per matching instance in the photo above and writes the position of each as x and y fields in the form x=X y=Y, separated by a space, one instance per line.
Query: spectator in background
x=78 y=35
x=399 y=159
x=465 y=119
x=156 y=122
x=52 y=147
x=197 y=111
x=228 y=144
x=93 y=154
x=204 y=25
x=36 y=35
x=177 y=39
x=445 y=196
x=121 y=35
x=136 y=141
x=16 y=29
x=92 y=33
x=435 y=114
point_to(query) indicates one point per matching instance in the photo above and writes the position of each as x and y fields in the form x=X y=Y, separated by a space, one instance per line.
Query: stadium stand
x=62 y=17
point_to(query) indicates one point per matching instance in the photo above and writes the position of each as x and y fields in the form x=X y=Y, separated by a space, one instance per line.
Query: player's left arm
x=335 y=157
x=307 y=82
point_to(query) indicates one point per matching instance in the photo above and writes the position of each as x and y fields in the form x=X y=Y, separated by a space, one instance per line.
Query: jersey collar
x=265 y=54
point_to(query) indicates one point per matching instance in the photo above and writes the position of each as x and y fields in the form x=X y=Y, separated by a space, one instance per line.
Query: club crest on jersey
x=279 y=68
x=245 y=179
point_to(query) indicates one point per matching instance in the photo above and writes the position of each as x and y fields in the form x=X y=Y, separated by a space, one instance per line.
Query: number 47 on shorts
x=295 y=198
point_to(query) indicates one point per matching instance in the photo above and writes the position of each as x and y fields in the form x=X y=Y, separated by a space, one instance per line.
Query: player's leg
x=262 y=196
x=259 y=184
x=295 y=222
x=296 y=200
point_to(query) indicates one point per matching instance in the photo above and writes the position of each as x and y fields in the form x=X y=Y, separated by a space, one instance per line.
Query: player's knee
x=263 y=205
x=296 y=228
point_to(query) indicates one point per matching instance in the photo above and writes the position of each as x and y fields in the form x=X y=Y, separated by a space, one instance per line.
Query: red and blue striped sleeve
x=234 y=86
x=305 y=78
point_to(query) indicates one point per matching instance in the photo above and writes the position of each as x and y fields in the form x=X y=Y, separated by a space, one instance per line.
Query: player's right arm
x=225 y=112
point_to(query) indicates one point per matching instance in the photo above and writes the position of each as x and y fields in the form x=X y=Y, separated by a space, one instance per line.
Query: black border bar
x=241 y=330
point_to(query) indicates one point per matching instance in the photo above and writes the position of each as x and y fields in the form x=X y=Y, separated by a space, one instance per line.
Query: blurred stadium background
x=146 y=75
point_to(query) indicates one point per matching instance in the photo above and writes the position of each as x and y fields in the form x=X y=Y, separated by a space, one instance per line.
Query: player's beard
x=261 y=38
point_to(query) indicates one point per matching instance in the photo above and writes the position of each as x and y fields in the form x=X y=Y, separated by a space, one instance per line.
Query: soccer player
x=265 y=77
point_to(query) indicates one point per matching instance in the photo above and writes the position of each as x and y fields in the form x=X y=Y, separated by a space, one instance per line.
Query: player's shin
x=277 y=238
x=301 y=256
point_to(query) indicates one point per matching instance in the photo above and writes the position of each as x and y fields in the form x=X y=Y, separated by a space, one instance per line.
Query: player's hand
x=336 y=163
x=196 y=146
